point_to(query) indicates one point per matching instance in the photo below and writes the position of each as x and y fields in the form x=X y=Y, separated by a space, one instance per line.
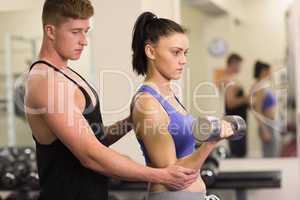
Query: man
x=236 y=102
x=64 y=114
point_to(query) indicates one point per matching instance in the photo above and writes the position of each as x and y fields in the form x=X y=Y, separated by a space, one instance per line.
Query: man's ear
x=150 y=51
x=50 y=31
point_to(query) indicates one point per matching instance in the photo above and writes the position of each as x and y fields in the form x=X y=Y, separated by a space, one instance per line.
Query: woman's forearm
x=197 y=158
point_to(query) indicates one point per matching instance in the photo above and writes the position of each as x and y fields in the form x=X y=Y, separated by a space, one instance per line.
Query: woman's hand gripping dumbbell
x=210 y=128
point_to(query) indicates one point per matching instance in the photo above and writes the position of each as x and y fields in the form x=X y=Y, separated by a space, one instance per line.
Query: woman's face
x=169 y=55
x=266 y=73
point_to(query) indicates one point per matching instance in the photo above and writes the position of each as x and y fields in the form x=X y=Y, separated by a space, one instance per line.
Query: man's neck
x=48 y=53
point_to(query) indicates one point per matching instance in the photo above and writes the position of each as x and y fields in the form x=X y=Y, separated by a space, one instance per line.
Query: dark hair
x=259 y=67
x=149 y=28
x=55 y=11
x=234 y=58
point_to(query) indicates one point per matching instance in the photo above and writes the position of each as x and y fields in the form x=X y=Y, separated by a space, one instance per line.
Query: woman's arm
x=151 y=126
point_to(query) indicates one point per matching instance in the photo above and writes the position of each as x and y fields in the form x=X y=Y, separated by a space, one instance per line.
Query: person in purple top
x=162 y=124
x=266 y=109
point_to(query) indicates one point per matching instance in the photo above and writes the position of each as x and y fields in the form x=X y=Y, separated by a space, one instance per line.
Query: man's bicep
x=72 y=130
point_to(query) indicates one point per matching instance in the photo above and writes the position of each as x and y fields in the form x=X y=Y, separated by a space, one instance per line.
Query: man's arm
x=118 y=130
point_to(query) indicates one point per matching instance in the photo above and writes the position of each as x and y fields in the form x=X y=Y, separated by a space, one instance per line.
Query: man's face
x=70 y=38
x=236 y=66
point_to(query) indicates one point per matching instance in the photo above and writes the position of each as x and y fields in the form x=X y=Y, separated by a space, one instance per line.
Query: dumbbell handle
x=238 y=125
x=208 y=128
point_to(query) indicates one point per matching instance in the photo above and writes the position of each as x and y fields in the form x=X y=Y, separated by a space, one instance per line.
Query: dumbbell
x=210 y=168
x=238 y=125
x=19 y=175
x=29 y=153
x=7 y=179
x=222 y=152
x=208 y=128
x=6 y=154
x=22 y=153
x=14 y=174
x=32 y=179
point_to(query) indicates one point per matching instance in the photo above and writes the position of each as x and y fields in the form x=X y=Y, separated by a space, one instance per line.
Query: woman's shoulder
x=146 y=105
x=145 y=100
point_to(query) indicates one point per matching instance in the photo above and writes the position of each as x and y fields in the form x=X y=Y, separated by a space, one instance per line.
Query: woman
x=161 y=123
x=265 y=107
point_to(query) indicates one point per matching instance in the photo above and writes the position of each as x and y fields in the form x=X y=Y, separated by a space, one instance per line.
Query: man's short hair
x=57 y=11
x=234 y=58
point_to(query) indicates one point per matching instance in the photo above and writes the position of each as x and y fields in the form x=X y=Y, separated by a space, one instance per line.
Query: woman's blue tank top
x=180 y=126
x=269 y=100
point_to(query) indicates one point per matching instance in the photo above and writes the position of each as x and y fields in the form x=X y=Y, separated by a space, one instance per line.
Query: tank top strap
x=180 y=102
x=164 y=103
x=54 y=68
x=88 y=84
x=85 y=93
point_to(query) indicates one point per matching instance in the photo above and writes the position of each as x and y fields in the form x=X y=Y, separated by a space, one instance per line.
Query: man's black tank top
x=240 y=110
x=238 y=148
x=62 y=176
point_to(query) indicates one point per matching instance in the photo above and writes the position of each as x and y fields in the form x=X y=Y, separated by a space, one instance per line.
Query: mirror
x=259 y=33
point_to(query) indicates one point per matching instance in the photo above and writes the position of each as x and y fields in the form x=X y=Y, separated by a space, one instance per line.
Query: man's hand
x=178 y=178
